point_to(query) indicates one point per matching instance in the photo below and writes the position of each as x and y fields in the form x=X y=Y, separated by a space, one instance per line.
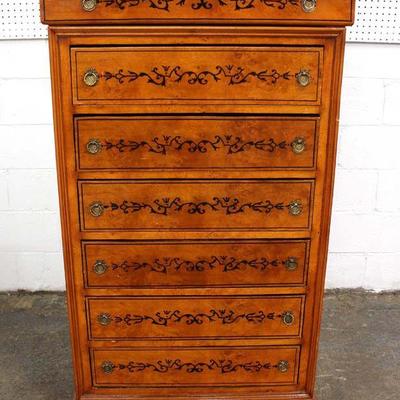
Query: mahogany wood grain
x=196 y=264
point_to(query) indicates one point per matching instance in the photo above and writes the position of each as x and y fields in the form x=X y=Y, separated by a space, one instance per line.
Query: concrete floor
x=359 y=354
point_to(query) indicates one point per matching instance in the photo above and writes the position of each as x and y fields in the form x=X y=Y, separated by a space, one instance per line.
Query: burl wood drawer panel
x=291 y=12
x=196 y=367
x=196 y=205
x=184 y=75
x=195 y=264
x=195 y=317
x=195 y=143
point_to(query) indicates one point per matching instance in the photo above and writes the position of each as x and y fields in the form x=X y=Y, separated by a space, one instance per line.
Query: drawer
x=196 y=367
x=320 y=12
x=195 y=205
x=195 y=317
x=195 y=143
x=187 y=75
x=195 y=264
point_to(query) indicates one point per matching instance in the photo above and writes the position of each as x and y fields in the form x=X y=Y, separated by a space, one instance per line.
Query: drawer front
x=195 y=143
x=196 y=367
x=201 y=264
x=195 y=317
x=160 y=75
x=197 y=11
x=195 y=205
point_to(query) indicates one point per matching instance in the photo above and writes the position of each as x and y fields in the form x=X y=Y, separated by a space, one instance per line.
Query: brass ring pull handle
x=283 y=366
x=93 y=146
x=288 y=318
x=91 y=77
x=104 y=319
x=291 y=264
x=89 y=5
x=96 y=209
x=100 y=267
x=303 y=78
x=298 y=145
x=309 y=5
x=107 y=367
x=295 y=207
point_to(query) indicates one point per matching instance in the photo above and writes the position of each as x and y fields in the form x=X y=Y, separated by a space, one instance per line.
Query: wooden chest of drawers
x=196 y=146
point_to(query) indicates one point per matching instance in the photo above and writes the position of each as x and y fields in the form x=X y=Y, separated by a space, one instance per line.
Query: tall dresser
x=196 y=144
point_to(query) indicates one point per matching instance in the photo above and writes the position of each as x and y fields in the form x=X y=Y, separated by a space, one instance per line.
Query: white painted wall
x=365 y=237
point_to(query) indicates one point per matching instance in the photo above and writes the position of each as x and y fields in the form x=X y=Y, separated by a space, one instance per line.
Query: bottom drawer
x=196 y=367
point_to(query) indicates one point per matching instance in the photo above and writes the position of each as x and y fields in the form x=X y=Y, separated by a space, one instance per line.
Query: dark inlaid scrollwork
x=224 y=263
x=165 y=5
x=123 y=4
x=230 y=74
x=222 y=366
x=165 y=318
x=164 y=144
x=166 y=206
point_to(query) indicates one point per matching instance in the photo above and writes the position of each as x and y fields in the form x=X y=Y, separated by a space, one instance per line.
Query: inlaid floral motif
x=166 y=318
x=229 y=74
x=224 y=263
x=227 y=143
x=167 y=206
x=222 y=366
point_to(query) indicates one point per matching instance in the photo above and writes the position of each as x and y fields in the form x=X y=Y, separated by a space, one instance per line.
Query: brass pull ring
x=89 y=5
x=100 y=267
x=298 y=145
x=295 y=207
x=303 y=78
x=291 y=263
x=93 y=146
x=96 y=209
x=104 y=319
x=288 y=318
x=91 y=77
x=283 y=366
x=309 y=5
x=107 y=367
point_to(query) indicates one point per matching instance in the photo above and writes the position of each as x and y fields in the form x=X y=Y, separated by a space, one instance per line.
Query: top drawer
x=197 y=75
x=272 y=12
